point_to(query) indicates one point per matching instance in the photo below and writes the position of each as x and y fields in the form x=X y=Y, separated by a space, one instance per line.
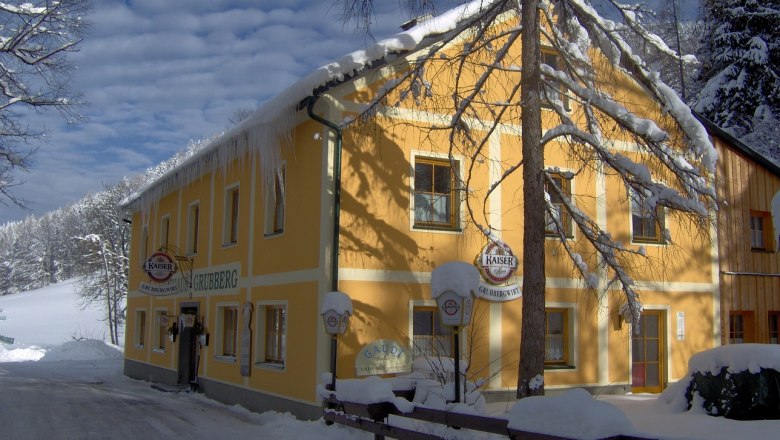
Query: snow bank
x=573 y=414
x=83 y=350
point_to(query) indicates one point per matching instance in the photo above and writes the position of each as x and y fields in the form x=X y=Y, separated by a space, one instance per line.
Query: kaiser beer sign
x=160 y=267
x=497 y=264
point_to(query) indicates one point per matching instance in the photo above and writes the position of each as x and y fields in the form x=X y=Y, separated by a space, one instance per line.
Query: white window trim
x=269 y=205
x=227 y=208
x=462 y=193
x=137 y=331
x=260 y=361
x=190 y=227
x=571 y=330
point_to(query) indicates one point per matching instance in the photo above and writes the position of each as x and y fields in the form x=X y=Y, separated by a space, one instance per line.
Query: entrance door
x=188 y=358
x=648 y=355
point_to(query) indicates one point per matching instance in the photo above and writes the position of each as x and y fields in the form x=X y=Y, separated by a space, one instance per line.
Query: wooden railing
x=374 y=418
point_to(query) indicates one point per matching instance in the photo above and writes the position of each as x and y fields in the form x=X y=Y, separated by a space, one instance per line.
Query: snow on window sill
x=270 y=366
x=226 y=359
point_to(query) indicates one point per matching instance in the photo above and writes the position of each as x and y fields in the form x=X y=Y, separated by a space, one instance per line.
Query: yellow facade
x=385 y=261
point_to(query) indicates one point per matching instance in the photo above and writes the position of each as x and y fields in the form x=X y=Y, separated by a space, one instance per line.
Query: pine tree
x=740 y=70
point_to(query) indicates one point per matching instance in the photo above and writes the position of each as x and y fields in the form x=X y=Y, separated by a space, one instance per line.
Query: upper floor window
x=275 y=203
x=231 y=216
x=559 y=215
x=436 y=202
x=144 y=243
x=647 y=219
x=554 y=92
x=165 y=225
x=760 y=230
x=193 y=217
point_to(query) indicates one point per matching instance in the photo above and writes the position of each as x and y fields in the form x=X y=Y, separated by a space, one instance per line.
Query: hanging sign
x=497 y=264
x=160 y=267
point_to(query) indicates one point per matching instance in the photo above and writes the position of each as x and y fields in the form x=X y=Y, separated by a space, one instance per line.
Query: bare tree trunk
x=531 y=370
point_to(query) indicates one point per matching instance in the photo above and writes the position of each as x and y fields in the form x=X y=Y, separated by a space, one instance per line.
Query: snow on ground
x=51 y=356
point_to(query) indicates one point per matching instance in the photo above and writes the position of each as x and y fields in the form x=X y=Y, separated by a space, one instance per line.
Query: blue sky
x=157 y=74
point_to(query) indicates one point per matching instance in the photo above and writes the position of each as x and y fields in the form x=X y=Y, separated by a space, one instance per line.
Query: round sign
x=160 y=267
x=497 y=263
x=450 y=307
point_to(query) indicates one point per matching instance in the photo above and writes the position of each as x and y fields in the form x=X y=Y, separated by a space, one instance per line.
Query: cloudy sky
x=157 y=74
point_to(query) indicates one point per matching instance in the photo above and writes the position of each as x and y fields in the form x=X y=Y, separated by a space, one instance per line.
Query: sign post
x=453 y=286
x=336 y=310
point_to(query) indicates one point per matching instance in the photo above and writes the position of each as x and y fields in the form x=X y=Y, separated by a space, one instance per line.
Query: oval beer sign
x=160 y=267
x=497 y=262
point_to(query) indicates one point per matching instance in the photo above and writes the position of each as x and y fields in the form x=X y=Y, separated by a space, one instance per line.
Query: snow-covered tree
x=35 y=39
x=672 y=167
x=740 y=71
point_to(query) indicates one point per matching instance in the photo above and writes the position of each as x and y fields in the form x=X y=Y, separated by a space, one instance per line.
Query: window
x=275 y=204
x=161 y=329
x=774 y=327
x=164 y=228
x=559 y=215
x=193 y=217
x=556 y=339
x=144 y=244
x=436 y=203
x=272 y=337
x=228 y=323
x=647 y=220
x=429 y=337
x=741 y=327
x=231 y=216
x=760 y=231
x=140 y=328
x=553 y=93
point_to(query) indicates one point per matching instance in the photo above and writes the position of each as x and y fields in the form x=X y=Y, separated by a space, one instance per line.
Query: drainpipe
x=334 y=276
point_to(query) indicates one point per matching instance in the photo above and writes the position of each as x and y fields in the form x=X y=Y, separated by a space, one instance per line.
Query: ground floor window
x=556 y=337
x=741 y=327
x=429 y=337
x=774 y=327
x=227 y=317
x=140 y=328
x=271 y=340
x=160 y=329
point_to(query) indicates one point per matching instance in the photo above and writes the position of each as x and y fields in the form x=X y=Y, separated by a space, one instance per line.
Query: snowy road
x=92 y=400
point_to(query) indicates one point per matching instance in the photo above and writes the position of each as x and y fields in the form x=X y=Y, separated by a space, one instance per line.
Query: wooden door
x=648 y=353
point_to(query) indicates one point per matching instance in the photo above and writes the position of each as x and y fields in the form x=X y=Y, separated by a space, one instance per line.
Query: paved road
x=92 y=400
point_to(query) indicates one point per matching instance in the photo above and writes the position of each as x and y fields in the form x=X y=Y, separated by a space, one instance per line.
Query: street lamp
x=336 y=310
x=453 y=286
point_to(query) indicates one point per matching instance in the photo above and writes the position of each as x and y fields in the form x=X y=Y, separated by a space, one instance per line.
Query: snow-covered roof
x=270 y=127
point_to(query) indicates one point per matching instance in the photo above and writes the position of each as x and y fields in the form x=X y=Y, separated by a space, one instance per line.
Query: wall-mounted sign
x=497 y=264
x=383 y=356
x=215 y=279
x=160 y=267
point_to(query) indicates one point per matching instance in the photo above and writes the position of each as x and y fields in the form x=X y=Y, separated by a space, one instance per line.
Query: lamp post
x=453 y=286
x=336 y=310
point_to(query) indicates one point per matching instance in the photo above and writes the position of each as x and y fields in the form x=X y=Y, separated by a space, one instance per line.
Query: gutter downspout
x=334 y=276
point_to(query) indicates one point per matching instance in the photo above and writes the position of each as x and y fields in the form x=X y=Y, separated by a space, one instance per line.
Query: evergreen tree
x=740 y=70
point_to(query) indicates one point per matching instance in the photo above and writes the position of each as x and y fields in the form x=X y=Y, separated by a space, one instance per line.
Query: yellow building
x=261 y=233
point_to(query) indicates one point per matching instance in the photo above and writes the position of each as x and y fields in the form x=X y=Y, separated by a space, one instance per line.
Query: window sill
x=445 y=230
x=139 y=346
x=273 y=234
x=636 y=242
x=269 y=366
x=158 y=350
x=226 y=359
x=229 y=245
x=559 y=367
